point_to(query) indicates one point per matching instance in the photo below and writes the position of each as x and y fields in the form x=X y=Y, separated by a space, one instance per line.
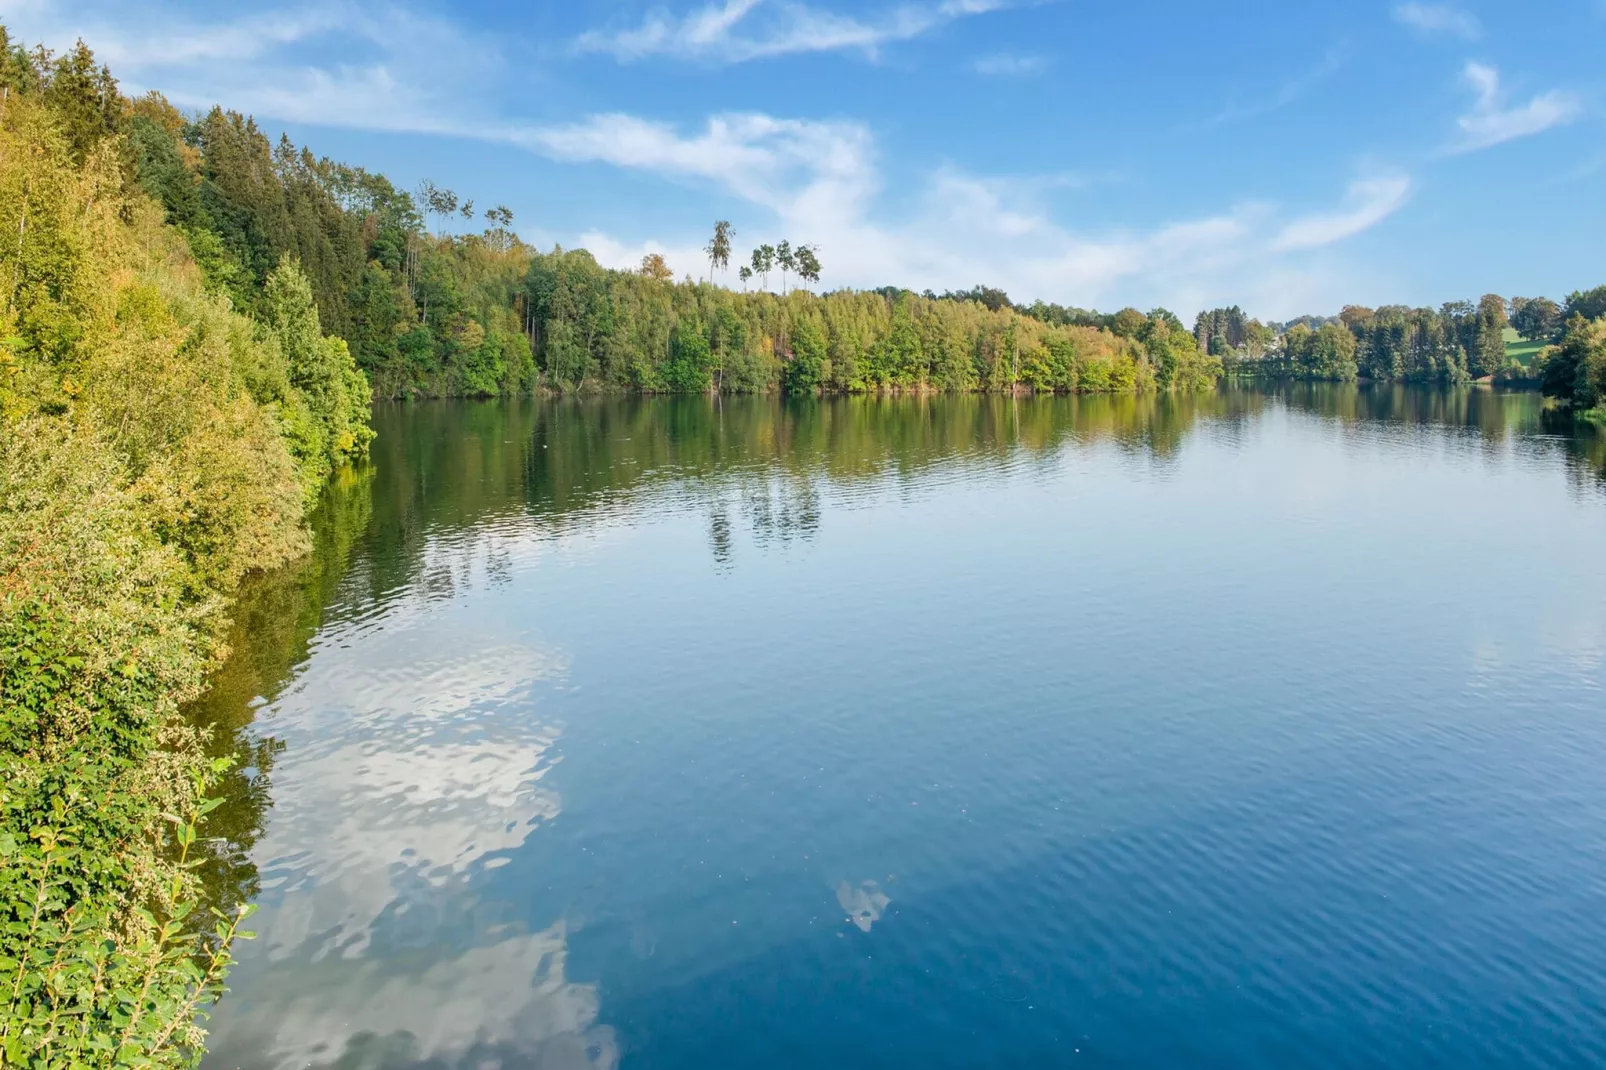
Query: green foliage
x=1451 y=344
x=163 y=172
x=719 y=247
x=88 y=988
x=420 y=315
x=155 y=446
x=1590 y=304
x=805 y=372
x=1326 y=353
x=689 y=369
x=1538 y=319
x=104 y=630
x=597 y=329
x=1575 y=370
x=83 y=99
x=332 y=388
x=1177 y=357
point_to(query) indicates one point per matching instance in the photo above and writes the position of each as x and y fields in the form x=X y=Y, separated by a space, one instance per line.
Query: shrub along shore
x=155 y=445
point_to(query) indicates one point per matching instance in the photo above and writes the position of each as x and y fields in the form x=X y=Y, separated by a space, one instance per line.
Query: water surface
x=1249 y=730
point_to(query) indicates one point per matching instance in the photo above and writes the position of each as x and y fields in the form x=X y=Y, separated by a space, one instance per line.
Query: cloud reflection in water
x=412 y=765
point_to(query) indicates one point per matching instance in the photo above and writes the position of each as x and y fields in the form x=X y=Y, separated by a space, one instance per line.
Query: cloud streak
x=1009 y=65
x=1443 y=19
x=739 y=31
x=1289 y=92
x=1489 y=123
x=1370 y=201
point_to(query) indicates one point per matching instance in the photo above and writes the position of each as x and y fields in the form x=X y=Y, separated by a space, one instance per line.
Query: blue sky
x=1290 y=157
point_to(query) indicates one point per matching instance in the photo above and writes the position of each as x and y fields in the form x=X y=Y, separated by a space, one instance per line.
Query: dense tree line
x=1455 y=343
x=596 y=328
x=170 y=407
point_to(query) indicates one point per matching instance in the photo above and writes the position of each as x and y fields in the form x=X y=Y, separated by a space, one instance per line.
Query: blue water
x=1254 y=730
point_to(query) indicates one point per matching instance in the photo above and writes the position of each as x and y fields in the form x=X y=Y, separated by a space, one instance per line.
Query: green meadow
x=1521 y=348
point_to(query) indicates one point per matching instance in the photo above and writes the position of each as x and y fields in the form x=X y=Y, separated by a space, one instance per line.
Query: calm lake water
x=1257 y=730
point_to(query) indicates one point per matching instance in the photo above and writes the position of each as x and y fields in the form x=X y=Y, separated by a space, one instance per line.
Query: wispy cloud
x=1439 y=19
x=1010 y=65
x=390 y=68
x=1489 y=123
x=738 y=31
x=1289 y=92
x=1369 y=202
x=1587 y=168
x=756 y=157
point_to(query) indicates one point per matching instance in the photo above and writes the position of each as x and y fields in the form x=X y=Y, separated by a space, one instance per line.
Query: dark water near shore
x=1255 y=730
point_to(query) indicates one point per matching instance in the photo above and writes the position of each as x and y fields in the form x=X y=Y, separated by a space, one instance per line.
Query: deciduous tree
x=1537 y=319
x=808 y=263
x=653 y=266
x=719 y=247
x=764 y=263
x=787 y=261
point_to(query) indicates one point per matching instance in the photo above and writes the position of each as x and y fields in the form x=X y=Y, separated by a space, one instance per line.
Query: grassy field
x=1520 y=348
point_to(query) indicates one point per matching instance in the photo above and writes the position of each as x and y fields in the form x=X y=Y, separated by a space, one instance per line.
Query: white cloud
x=1488 y=123
x=741 y=30
x=1005 y=64
x=1439 y=19
x=821 y=184
x=1370 y=202
x=753 y=155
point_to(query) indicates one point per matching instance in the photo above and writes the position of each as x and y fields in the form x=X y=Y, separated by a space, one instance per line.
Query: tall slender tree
x=719 y=248
x=787 y=259
x=438 y=202
x=499 y=234
x=744 y=273
x=764 y=263
x=808 y=263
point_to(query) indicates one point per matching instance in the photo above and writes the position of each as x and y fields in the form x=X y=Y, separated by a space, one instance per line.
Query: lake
x=1260 y=729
